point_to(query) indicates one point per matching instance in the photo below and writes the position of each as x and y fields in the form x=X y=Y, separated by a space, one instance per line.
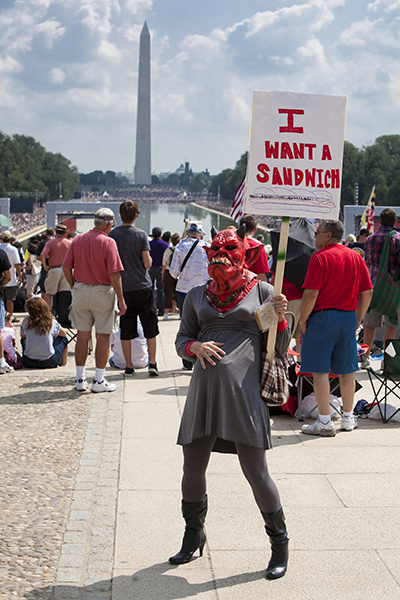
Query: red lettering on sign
x=290 y=112
x=327 y=176
x=264 y=177
x=326 y=153
x=310 y=150
x=298 y=150
x=276 y=177
x=287 y=176
x=286 y=151
x=335 y=178
x=271 y=150
x=310 y=177
x=319 y=178
x=298 y=176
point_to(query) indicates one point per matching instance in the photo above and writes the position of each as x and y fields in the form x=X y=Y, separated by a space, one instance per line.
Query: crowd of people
x=26 y=221
x=144 y=195
x=123 y=282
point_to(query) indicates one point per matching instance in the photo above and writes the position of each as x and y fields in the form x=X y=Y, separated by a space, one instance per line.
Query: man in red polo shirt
x=54 y=251
x=93 y=268
x=337 y=293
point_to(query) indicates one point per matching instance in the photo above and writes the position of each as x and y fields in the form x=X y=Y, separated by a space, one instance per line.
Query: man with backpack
x=190 y=266
x=373 y=249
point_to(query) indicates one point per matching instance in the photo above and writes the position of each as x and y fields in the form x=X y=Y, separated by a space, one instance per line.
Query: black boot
x=194 y=514
x=276 y=530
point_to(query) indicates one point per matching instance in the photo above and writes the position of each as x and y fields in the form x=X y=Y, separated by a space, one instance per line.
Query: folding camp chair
x=62 y=304
x=307 y=378
x=388 y=380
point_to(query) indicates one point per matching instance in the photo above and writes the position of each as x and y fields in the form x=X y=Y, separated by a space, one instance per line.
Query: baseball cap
x=196 y=226
x=6 y=235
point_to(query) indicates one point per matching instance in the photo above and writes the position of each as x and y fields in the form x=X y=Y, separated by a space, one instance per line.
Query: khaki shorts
x=294 y=306
x=93 y=305
x=375 y=319
x=56 y=282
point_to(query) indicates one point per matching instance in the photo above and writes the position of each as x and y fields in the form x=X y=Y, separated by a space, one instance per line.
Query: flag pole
x=280 y=267
x=372 y=195
x=367 y=217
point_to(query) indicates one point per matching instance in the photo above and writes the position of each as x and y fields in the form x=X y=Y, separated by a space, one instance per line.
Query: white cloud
x=68 y=65
x=137 y=7
x=51 y=30
x=109 y=51
x=10 y=65
x=173 y=105
x=57 y=75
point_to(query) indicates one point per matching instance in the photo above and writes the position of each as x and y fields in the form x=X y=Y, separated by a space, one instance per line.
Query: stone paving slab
x=327 y=575
x=334 y=524
x=90 y=498
x=42 y=431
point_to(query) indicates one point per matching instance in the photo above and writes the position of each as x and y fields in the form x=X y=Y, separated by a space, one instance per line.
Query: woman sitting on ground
x=44 y=341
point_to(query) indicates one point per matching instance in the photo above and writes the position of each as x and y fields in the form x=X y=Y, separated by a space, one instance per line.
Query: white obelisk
x=143 y=128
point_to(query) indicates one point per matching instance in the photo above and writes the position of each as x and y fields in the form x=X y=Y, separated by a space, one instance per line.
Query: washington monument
x=143 y=127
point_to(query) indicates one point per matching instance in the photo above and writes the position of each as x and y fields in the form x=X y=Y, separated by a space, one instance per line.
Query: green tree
x=26 y=166
x=229 y=180
x=198 y=183
x=353 y=172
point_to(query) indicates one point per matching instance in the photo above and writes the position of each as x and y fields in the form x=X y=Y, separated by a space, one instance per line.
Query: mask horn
x=213 y=232
x=241 y=231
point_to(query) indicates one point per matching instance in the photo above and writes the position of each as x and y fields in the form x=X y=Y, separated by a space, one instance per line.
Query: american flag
x=367 y=219
x=237 y=203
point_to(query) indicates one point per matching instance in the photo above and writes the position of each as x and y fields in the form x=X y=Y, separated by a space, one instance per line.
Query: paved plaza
x=90 y=497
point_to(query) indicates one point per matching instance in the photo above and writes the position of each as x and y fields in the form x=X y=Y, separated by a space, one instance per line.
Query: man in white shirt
x=191 y=272
x=11 y=288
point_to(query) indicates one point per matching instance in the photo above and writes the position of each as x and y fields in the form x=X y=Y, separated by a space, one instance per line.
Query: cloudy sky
x=69 y=72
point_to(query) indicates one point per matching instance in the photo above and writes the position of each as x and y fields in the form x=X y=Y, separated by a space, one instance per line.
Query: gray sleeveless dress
x=225 y=400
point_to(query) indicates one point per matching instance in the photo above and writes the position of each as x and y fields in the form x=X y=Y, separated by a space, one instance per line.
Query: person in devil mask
x=224 y=410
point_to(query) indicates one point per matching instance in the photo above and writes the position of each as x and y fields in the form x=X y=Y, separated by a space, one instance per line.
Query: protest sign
x=296 y=153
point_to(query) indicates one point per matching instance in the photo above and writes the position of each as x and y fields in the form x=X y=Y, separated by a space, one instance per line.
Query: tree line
x=26 y=166
x=377 y=164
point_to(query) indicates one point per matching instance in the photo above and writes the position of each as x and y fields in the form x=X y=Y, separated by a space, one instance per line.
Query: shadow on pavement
x=160 y=581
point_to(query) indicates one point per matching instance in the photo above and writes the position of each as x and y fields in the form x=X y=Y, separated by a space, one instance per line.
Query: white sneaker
x=349 y=423
x=319 y=428
x=102 y=386
x=81 y=385
x=365 y=364
x=6 y=369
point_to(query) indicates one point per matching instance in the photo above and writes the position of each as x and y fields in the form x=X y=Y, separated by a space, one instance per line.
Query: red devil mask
x=229 y=256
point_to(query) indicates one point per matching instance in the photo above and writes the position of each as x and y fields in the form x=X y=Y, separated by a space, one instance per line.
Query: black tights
x=252 y=461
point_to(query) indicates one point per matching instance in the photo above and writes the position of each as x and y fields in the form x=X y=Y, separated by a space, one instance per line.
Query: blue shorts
x=329 y=344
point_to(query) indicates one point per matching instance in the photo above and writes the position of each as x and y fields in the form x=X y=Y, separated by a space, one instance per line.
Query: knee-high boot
x=276 y=530
x=194 y=514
